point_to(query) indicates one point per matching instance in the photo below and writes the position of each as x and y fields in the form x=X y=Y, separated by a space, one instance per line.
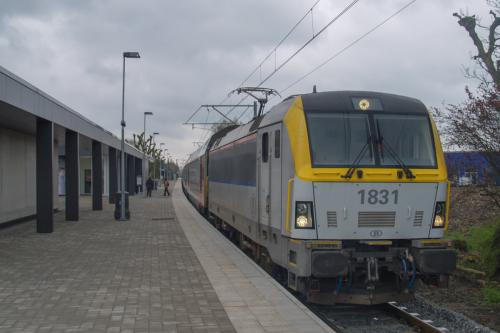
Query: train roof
x=345 y=101
x=197 y=153
x=329 y=101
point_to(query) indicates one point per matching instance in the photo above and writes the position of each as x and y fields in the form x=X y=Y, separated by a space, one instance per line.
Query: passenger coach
x=343 y=195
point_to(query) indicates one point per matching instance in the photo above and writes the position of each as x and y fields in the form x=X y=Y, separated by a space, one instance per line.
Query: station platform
x=165 y=270
x=253 y=300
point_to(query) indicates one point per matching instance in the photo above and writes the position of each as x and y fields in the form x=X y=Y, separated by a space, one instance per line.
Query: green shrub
x=480 y=246
x=460 y=245
x=491 y=295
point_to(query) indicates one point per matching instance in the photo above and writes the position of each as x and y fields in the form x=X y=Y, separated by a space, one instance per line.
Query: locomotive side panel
x=193 y=182
x=232 y=186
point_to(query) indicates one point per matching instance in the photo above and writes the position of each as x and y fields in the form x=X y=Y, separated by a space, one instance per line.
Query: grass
x=479 y=249
x=476 y=237
x=491 y=294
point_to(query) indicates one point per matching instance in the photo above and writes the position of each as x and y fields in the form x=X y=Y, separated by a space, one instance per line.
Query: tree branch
x=491 y=38
x=469 y=24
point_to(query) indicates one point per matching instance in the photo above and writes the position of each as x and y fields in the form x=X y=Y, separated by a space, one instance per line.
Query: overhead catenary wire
x=348 y=46
x=370 y=31
x=274 y=49
x=309 y=41
x=204 y=135
x=383 y=22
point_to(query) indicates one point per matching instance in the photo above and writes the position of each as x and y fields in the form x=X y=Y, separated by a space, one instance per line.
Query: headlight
x=439 y=215
x=304 y=215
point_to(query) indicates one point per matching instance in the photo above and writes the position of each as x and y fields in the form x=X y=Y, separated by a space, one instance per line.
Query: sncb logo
x=376 y=233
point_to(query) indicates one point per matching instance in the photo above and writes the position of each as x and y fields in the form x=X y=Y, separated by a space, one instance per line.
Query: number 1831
x=381 y=197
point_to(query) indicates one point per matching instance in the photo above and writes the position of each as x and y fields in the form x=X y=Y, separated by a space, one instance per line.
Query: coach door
x=275 y=178
x=264 y=161
x=270 y=181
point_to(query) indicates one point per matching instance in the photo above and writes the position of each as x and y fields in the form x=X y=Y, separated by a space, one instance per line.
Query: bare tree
x=487 y=46
x=148 y=146
x=474 y=125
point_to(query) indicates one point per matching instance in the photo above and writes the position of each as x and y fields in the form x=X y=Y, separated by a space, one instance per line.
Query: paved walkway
x=253 y=300
x=100 y=275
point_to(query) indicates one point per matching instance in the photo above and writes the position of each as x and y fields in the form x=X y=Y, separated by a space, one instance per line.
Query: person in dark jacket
x=149 y=186
x=166 y=184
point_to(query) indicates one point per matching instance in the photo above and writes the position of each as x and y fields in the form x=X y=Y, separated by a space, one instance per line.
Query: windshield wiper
x=394 y=156
x=357 y=160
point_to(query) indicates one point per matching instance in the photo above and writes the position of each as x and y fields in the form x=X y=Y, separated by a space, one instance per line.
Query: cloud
x=195 y=52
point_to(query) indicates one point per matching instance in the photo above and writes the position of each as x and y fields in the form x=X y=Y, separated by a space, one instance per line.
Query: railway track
x=386 y=318
x=425 y=326
x=415 y=316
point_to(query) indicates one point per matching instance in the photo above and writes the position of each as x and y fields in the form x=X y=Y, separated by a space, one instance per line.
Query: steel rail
x=424 y=325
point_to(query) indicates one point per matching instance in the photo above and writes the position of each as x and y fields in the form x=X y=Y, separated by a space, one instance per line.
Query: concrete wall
x=17 y=175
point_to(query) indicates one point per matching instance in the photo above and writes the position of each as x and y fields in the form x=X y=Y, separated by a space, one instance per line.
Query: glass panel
x=265 y=147
x=277 y=146
x=337 y=139
x=409 y=137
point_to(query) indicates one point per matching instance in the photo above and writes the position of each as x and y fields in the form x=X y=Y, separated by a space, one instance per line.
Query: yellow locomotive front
x=368 y=203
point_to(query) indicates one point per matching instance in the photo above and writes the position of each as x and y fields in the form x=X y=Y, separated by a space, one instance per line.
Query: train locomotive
x=342 y=195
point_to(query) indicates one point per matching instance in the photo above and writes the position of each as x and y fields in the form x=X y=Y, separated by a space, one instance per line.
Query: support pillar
x=72 y=175
x=113 y=175
x=44 y=176
x=96 y=175
x=131 y=174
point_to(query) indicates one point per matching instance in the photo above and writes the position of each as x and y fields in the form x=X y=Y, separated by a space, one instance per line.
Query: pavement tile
x=102 y=275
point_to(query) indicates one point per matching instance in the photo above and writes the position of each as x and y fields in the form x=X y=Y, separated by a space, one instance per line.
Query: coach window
x=277 y=144
x=265 y=147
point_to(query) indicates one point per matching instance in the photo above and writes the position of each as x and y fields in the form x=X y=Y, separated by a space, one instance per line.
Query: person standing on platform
x=165 y=185
x=149 y=186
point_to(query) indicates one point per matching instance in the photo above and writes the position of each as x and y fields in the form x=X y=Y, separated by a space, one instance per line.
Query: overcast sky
x=195 y=52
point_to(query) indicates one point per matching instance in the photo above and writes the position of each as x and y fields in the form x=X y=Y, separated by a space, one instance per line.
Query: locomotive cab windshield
x=370 y=140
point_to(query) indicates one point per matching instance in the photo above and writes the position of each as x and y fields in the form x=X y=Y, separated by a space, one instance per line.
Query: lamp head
x=131 y=55
x=147 y=113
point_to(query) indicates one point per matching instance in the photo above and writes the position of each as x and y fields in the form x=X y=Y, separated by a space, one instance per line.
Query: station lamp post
x=144 y=163
x=122 y=180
